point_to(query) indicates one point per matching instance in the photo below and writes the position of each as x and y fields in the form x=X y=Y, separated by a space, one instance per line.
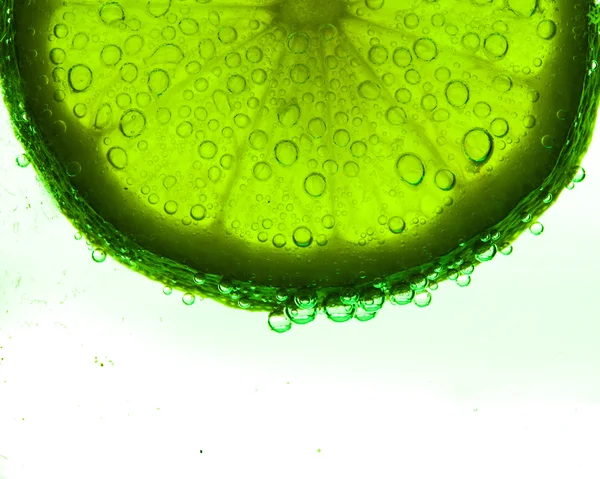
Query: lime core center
x=311 y=12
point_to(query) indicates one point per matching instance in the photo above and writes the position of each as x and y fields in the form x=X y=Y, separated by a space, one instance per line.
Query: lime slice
x=303 y=155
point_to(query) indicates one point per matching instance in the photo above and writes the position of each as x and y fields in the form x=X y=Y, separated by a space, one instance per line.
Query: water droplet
x=80 y=110
x=236 y=84
x=482 y=109
x=208 y=150
x=496 y=45
x=22 y=160
x=80 y=78
x=299 y=73
x=471 y=41
x=279 y=323
x=499 y=127
x=171 y=207
x=111 y=13
x=478 y=145
x=299 y=315
x=378 y=54
x=117 y=157
x=403 y=95
x=188 y=299
x=258 y=139
x=341 y=138
x=303 y=237
x=254 y=54
x=457 y=93
x=412 y=76
x=128 y=72
x=445 y=180
x=337 y=312
x=396 y=225
x=98 y=255
x=579 y=175
x=262 y=171
x=396 y=116
x=548 y=141
x=502 y=83
x=422 y=299
x=411 y=168
x=402 y=57
x=279 y=241
x=529 y=121
x=158 y=81
x=188 y=26
x=289 y=116
x=425 y=49
x=317 y=127
x=369 y=90
x=111 y=55
x=298 y=42
x=286 y=152
x=133 y=123
x=546 y=29
x=486 y=253
x=198 y=212
x=227 y=35
x=401 y=294
x=411 y=21
x=73 y=169
x=536 y=229
x=315 y=184
x=371 y=300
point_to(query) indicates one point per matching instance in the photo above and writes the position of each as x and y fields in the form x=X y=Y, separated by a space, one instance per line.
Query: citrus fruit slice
x=300 y=156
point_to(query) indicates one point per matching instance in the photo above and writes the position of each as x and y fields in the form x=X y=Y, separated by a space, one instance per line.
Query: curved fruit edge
x=369 y=296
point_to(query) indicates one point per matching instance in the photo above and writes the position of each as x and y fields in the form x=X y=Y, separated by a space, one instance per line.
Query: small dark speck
x=200 y=451
x=125 y=188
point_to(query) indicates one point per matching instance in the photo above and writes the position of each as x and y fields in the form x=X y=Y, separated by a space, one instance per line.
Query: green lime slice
x=300 y=156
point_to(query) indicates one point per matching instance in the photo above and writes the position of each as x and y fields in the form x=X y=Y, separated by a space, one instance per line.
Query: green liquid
x=303 y=156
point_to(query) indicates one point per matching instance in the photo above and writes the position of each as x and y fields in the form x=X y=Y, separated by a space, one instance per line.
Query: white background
x=499 y=379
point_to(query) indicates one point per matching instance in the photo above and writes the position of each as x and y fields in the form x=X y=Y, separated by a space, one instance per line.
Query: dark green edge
x=372 y=293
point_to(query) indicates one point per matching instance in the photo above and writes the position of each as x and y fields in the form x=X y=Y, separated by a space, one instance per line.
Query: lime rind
x=370 y=293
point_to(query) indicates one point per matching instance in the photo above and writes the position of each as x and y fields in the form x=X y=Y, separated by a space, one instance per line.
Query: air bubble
x=378 y=54
x=478 y=145
x=425 y=49
x=369 y=90
x=117 y=157
x=302 y=237
x=496 y=45
x=411 y=168
x=99 y=256
x=298 y=42
x=286 y=152
x=315 y=184
x=457 y=93
x=445 y=180
x=546 y=29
